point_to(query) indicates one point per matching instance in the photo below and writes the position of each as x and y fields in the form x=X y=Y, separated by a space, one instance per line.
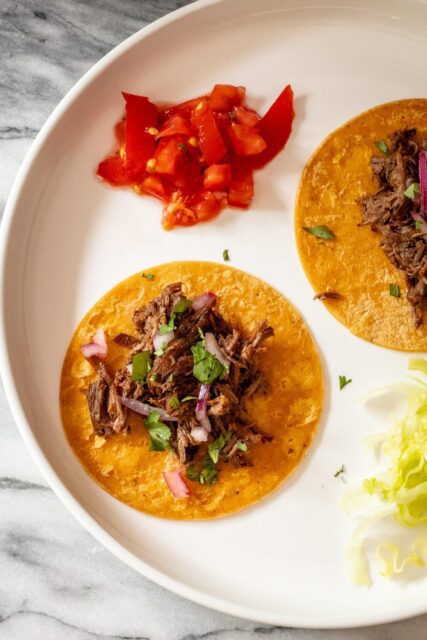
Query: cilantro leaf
x=148 y=275
x=141 y=365
x=418 y=225
x=182 y=305
x=344 y=381
x=207 y=367
x=188 y=398
x=381 y=146
x=321 y=231
x=412 y=190
x=208 y=474
x=242 y=446
x=174 y=402
x=394 y=290
x=192 y=472
x=153 y=378
x=159 y=432
x=167 y=328
x=215 y=447
x=226 y=255
x=340 y=472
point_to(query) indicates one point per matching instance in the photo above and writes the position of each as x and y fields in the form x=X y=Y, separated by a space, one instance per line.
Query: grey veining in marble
x=56 y=581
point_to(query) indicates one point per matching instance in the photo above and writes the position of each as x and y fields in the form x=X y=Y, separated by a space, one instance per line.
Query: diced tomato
x=241 y=189
x=226 y=96
x=120 y=131
x=207 y=207
x=246 y=141
x=113 y=171
x=217 y=177
x=275 y=127
x=141 y=114
x=178 y=213
x=175 y=125
x=167 y=155
x=246 y=117
x=210 y=140
x=154 y=186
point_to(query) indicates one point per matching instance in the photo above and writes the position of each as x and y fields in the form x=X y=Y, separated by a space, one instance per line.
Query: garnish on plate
x=344 y=382
x=394 y=290
x=198 y=156
x=340 y=473
x=320 y=231
x=393 y=500
x=226 y=255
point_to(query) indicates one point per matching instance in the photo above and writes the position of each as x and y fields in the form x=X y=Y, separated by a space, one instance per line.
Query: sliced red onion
x=422 y=167
x=176 y=483
x=212 y=346
x=205 y=300
x=199 y=434
x=98 y=346
x=160 y=341
x=201 y=407
x=144 y=409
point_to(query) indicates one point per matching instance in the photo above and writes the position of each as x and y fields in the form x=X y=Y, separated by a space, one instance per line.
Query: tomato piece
x=275 y=127
x=217 y=177
x=244 y=116
x=210 y=140
x=141 y=114
x=114 y=171
x=226 y=96
x=241 y=189
x=168 y=154
x=246 y=141
x=175 y=125
x=207 y=206
x=154 y=186
x=178 y=213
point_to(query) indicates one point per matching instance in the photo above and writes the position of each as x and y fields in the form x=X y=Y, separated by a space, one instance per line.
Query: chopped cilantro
x=340 y=472
x=188 y=398
x=169 y=378
x=148 y=275
x=141 y=365
x=162 y=349
x=201 y=334
x=174 y=402
x=412 y=190
x=167 y=328
x=182 y=305
x=344 y=381
x=153 y=378
x=208 y=474
x=215 y=447
x=394 y=290
x=418 y=225
x=226 y=255
x=242 y=446
x=192 y=472
x=207 y=367
x=159 y=432
x=381 y=146
x=321 y=231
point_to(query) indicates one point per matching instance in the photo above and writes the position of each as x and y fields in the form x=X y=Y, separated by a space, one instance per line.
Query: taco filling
x=398 y=211
x=187 y=376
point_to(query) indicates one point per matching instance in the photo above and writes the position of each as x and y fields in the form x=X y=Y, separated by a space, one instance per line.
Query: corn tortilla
x=354 y=265
x=123 y=465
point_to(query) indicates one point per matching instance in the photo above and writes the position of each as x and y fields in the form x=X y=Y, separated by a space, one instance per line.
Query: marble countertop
x=57 y=582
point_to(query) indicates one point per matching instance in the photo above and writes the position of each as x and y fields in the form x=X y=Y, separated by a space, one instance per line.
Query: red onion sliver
x=199 y=434
x=144 y=409
x=160 y=341
x=201 y=407
x=176 y=483
x=212 y=346
x=207 y=300
x=97 y=347
x=422 y=167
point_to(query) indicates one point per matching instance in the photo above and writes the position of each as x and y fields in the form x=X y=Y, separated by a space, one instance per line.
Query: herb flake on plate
x=321 y=231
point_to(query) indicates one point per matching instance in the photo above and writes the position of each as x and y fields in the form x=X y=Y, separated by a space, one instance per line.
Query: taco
x=361 y=225
x=191 y=392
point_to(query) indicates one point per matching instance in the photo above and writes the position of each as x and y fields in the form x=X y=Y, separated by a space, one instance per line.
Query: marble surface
x=57 y=582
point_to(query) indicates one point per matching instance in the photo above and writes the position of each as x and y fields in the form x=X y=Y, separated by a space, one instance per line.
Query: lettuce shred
x=397 y=490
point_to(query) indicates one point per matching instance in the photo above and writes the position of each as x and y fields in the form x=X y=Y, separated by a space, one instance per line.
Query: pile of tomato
x=198 y=156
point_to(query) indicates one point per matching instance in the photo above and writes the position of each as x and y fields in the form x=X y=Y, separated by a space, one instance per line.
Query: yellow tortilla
x=123 y=465
x=354 y=265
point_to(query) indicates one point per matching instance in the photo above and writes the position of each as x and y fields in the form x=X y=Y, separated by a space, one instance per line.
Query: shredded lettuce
x=399 y=487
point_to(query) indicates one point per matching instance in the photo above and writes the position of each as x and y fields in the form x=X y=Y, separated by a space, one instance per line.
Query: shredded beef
x=171 y=385
x=393 y=214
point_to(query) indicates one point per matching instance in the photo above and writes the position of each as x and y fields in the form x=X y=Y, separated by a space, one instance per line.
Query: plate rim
x=55 y=483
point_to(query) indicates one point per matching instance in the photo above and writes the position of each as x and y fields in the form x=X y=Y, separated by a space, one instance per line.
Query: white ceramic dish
x=67 y=238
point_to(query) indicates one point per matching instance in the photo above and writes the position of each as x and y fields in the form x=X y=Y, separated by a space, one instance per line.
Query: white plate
x=67 y=238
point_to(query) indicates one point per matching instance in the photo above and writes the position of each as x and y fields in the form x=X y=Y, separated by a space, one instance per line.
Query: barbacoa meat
x=171 y=379
x=394 y=215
